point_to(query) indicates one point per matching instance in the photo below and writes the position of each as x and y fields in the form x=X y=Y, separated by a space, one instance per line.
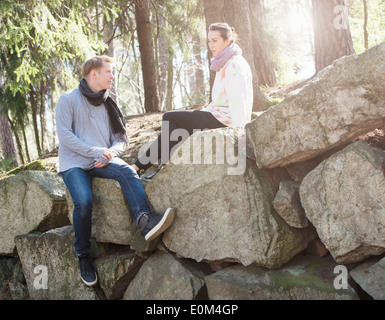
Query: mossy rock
x=37 y=165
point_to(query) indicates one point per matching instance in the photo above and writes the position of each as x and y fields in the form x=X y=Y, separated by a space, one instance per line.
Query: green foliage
x=183 y=27
x=42 y=44
x=5 y=165
x=14 y=103
x=375 y=27
x=184 y=23
x=273 y=101
x=46 y=37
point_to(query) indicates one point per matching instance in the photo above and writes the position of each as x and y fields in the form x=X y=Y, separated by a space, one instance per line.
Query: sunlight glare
x=295 y=22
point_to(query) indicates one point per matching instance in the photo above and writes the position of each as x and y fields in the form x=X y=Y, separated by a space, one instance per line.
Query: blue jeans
x=78 y=182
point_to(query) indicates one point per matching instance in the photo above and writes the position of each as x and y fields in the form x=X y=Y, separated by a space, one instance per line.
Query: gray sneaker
x=154 y=224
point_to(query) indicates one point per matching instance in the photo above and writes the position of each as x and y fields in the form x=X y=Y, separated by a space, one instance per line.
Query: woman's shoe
x=147 y=177
x=150 y=176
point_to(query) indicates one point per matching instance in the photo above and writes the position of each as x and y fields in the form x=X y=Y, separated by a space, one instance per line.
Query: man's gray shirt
x=84 y=132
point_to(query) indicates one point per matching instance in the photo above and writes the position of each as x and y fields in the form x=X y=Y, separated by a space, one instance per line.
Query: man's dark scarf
x=116 y=117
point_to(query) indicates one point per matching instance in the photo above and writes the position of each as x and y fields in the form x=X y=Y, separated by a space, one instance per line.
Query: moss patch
x=37 y=165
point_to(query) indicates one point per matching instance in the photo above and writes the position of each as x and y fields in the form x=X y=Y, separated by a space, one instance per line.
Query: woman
x=232 y=97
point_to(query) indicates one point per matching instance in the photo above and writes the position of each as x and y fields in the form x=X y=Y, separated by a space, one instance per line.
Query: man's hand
x=107 y=155
x=100 y=164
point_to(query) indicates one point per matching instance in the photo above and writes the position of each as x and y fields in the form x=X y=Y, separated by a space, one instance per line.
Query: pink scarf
x=218 y=62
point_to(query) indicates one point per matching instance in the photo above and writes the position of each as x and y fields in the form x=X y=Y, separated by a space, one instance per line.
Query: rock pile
x=344 y=101
x=290 y=208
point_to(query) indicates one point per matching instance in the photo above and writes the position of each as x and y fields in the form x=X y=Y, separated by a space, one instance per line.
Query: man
x=92 y=135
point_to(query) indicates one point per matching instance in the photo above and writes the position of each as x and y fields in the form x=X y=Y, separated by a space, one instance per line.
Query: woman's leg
x=160 y=149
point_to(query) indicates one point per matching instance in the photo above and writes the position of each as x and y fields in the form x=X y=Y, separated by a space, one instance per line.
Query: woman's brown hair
x=225 y=30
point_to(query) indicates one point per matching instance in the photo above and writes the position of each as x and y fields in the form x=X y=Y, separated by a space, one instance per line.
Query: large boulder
x=30 y=200
x=221 y=215
x=112 y=220
x=344 y=199
x=343 y=102
x=370 y=275
x=164 y=277
x=52 y=272
x=116 y=269
x=303 y=278
x=50 y=266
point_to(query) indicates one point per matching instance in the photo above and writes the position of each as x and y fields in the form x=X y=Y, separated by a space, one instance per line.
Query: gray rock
x=30 y=200
x=116 y=271
x=343 y=102
x=344 y=199
x=50 y=266
x=223 y=216
x=303 y=278
x=17 y=285
x=12 y=282
x=5 y=269
x=371 y=277
x=288 y=205
x=164 y=277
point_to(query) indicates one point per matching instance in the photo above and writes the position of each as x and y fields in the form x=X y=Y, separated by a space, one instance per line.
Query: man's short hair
x=95 y=63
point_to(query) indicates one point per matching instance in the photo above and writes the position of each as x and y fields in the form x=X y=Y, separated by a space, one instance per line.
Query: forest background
x=161 y=53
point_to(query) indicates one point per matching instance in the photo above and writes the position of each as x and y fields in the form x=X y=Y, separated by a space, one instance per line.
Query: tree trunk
x=163 y=52
x=108 y=37
x=214 y=12
x=198 y=67
x=135 y=84
x=26 y=144
x=34 y=109
x=20 y=149
x=238 y=15
x=52 y=109
x=43 y=123
x=170 y=80
x=366 y=34
x=332 y=36
x=262 y=51
x=6 y=140
x=143 y=27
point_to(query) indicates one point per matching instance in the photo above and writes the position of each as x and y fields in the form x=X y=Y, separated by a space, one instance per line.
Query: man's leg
x=129 y=182
x=78 y=183
x=136 y=197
